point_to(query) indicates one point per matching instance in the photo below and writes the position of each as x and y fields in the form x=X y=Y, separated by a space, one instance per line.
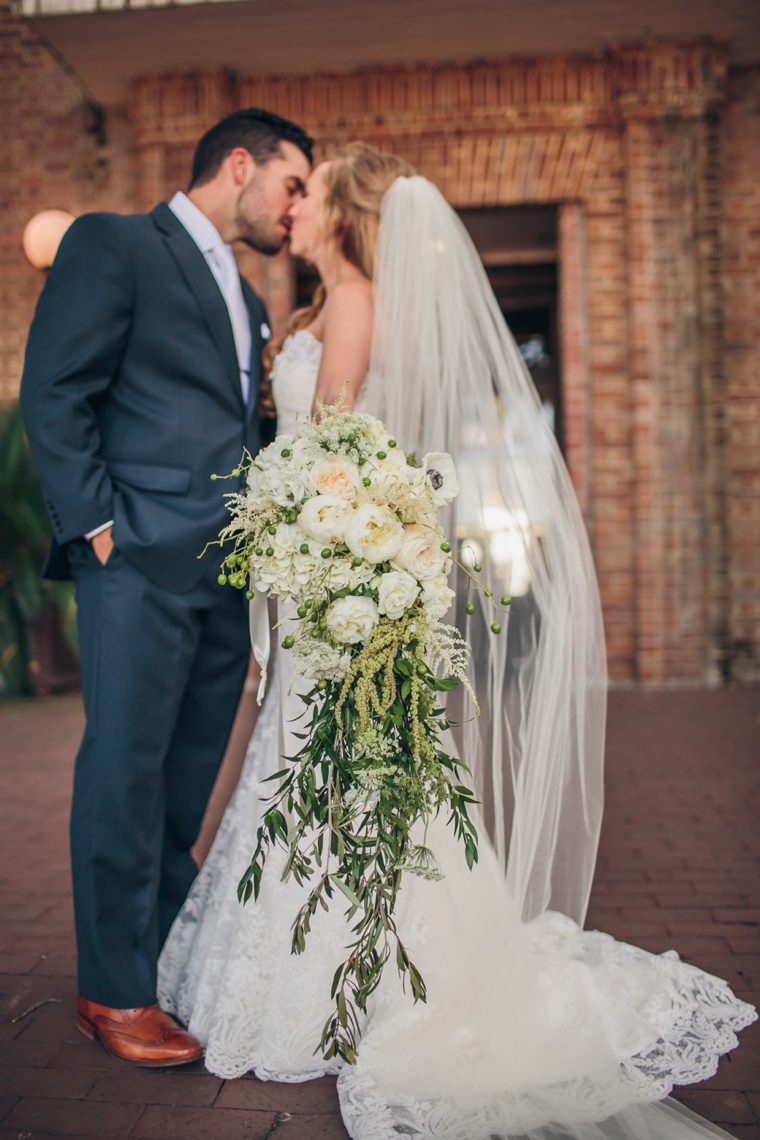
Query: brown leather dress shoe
x=146 y=1036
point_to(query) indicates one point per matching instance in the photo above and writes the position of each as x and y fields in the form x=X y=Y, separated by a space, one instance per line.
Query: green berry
x=361 y=461
x=356 y=560
x=382 y=455
x=304 y=548
x=391 y=443
x=422 y=668
x=222 y=579
x=470 y=608
x=327 y=553
x=302 y=611
x=213 y=478
x=309 y=603
x=314 y=616
x=322 y=623
x=285 y=453
x=351 y=437
x=505 y=601
x=316 y=634
x=446 y=547
x=258 y=552
x=477 y=567
x=366 y=481
x=270 y=552
x=288 y=642
x=488 y=593
x=271 y=530
x=495 y=628
x=249 y=595
x=236 y=472
x=322 y=685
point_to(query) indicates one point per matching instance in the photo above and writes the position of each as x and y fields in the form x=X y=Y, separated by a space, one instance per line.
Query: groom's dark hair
x=257 y=131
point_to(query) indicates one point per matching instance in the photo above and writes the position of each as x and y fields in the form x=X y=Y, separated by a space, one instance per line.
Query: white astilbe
x=448 y=652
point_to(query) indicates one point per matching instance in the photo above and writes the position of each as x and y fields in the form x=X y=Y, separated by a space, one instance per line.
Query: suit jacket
x=131 y=394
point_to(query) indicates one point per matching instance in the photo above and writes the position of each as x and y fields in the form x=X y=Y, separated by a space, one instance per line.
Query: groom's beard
x=265 y=235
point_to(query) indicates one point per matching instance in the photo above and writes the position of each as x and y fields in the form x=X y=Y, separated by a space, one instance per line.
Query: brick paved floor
x=678 y=867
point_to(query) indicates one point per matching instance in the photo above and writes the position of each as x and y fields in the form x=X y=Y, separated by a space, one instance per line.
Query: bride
x=532 y=1027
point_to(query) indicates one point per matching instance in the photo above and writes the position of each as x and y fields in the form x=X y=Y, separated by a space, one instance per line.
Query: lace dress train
x=538 y=1030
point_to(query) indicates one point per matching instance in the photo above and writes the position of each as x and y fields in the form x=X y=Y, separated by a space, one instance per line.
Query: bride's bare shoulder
x=350 y=303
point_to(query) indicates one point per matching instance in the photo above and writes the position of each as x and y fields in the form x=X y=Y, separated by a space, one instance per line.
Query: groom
x=141 y=380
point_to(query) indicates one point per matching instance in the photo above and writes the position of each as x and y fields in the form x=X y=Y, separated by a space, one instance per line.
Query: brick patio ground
x=679 y=867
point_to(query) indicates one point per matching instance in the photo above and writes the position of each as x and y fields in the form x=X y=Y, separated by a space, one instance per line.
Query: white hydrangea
x=318 y=660
x=437 y=597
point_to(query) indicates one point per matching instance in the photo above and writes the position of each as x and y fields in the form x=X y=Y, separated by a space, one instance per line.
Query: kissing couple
x=147 y=371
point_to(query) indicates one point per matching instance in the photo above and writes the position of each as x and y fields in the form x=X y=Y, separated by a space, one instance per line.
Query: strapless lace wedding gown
x=538 y=1030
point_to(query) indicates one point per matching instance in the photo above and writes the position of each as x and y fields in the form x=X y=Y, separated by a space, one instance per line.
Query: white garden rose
x=437 y=597
x=396 y=593
x=441 y=476
x=337 y=477
x=373 y=533
x=352 y=619
x=325 y=518
x=420 y=552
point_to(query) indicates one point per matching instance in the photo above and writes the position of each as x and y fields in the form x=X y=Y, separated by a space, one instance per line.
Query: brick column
x=665 y=96
x=574 y=351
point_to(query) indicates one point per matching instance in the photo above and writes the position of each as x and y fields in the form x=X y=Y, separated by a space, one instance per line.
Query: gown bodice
x=294 y=380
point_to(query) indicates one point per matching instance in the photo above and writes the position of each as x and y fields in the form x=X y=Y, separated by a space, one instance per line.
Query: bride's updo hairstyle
x=356 y=180
x=356 y=183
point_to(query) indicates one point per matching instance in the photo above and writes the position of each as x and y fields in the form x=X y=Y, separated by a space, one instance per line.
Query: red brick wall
x=658 y=226
x=50 y=156
x=740 y=279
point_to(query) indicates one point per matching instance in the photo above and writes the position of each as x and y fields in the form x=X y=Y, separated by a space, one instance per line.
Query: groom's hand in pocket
x=102 y=544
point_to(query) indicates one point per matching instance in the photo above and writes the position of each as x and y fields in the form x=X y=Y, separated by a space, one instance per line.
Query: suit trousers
x=162 y=675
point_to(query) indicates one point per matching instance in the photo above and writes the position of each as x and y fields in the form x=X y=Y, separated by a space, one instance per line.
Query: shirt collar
x=203 y=231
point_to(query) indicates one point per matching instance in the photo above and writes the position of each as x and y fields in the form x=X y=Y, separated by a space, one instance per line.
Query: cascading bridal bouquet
x=342 y=526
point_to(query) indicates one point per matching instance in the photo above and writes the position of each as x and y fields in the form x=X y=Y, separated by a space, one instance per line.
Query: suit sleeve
x=75 y=346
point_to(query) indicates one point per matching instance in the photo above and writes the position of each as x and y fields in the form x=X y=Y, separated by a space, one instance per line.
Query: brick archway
x=620 y=142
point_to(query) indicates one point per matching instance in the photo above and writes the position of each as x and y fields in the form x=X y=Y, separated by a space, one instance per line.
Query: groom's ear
x=240 y=162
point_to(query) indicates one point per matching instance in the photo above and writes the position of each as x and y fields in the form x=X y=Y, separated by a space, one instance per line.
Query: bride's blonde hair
x=356 y=180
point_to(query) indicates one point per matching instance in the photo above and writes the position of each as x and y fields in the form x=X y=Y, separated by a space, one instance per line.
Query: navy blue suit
x=132 y=398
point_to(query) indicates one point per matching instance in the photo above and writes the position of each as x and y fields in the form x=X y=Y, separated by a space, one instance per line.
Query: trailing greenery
x=371 y=769
x=343 y=526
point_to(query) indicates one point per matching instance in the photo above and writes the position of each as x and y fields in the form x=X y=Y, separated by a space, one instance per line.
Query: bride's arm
x=347 y=337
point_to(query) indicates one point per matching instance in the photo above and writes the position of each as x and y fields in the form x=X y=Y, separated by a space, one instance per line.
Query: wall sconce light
x=42 y=236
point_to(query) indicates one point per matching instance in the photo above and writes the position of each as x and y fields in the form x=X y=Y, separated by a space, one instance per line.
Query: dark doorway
x=518 y=247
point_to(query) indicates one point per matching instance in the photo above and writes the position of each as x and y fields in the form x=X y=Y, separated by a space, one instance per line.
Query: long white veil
x=446 y=375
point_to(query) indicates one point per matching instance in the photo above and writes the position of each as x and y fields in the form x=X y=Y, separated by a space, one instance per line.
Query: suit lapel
x=256 y=316
x=202 y=283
